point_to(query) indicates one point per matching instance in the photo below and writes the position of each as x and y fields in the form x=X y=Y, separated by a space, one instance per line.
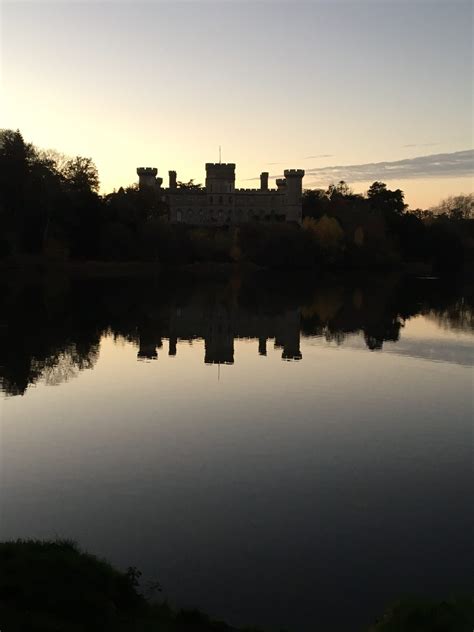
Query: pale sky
x=278 y=84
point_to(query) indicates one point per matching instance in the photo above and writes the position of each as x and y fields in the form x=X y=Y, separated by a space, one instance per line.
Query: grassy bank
x=55 y=587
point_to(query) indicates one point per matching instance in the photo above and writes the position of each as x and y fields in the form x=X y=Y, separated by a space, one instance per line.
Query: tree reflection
x=51 y=326
x=459 y=316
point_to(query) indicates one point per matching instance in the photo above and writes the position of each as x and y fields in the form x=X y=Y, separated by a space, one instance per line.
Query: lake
x=288 y=453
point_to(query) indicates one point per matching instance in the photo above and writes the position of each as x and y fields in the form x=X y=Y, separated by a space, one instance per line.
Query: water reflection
x=50 y=328
x=265 y=491
x=219 y=325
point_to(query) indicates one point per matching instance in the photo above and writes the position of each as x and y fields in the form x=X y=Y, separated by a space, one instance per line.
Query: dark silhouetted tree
x=456 y=207
x=315 y=203
x=385 y=200
x=190 y=185
x=81 y=175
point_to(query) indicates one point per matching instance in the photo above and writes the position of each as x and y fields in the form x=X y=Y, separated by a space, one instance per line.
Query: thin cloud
x=456 y=164
x=319 y=156
x=421 y=145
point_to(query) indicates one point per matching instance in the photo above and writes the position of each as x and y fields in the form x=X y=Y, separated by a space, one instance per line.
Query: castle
x=219 y=325
x=220 y=203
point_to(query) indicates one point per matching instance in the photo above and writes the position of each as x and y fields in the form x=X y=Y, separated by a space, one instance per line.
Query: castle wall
x=221 y=204
x=219 y=326
x=244 y=205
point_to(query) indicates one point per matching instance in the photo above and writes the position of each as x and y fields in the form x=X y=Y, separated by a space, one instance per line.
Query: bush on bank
x=52 y=586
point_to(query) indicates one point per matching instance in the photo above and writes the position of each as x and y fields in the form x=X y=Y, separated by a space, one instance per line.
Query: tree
x=80 y=175
x=383 y=199
x=341 y=189
x=456 y=207
x=14 y=158
x=328 y=234
x=190 y=185
x=315 y=203
x=29 y=189
x=55 y=159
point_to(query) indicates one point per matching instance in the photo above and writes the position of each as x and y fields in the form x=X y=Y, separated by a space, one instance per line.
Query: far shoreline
x=37 y=265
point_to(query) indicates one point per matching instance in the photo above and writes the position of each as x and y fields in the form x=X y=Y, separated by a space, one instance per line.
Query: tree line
x=50 y=206
x=51 y=325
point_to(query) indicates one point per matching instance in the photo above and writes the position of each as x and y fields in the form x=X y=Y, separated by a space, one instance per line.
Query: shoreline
x=201 y=269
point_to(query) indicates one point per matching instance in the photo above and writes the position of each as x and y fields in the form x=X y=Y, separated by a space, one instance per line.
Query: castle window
x=230 y=199
x=220 y=199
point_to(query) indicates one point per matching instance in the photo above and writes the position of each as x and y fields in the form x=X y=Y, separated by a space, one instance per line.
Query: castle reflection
x=219 y=326
x=51 y=326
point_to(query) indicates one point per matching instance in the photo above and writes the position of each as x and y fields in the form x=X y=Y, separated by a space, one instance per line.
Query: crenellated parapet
x=294 y=173
x=258 y=191
x=220 y=165
x=220 y=177
x=147 y=177
x=147 y=171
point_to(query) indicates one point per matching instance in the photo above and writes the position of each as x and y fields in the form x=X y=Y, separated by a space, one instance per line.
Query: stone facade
x=220 y=203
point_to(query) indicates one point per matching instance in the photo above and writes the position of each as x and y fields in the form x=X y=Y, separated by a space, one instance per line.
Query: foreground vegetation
x=54 y=587
x=50 y=208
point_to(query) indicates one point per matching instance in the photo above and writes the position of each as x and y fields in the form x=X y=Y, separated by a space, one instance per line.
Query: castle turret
x=294 y=194
x=264 y=181
x=172 y=179
x=220 y=178
x=281 y=184
x=146 y=177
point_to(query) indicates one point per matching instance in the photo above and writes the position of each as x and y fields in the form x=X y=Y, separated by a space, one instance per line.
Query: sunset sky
x=277 y=84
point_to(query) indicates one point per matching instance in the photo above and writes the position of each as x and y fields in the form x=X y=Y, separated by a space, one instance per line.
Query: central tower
x=220 y=178
x=294 y=194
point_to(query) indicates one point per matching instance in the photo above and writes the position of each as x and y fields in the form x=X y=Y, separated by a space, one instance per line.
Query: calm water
x=278 y=455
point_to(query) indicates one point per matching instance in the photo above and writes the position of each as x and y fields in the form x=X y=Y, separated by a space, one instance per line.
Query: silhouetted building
x=149 y=340
x=219 y=325
x=220 y=203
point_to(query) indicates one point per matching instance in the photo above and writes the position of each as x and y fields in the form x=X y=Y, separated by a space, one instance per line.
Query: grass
x=415 y=615
x=52 y=586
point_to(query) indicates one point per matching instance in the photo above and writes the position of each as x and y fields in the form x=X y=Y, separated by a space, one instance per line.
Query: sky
x=342 y=89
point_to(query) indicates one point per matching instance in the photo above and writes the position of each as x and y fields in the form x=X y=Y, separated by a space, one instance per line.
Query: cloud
x=456 y=164
x=421 y=145
x=319 y=156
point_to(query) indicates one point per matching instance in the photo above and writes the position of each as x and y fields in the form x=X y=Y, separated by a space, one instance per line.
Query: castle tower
x=220 y=178
x=264 y=181
x=146 y=177
x=294 y=194
x=172 y=179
